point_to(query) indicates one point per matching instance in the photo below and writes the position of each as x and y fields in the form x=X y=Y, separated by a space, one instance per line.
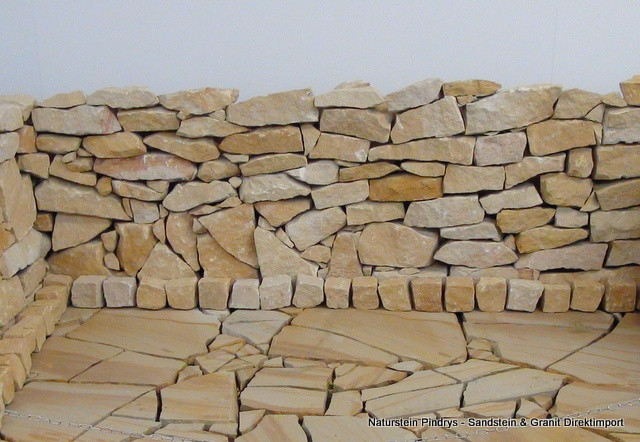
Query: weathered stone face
x=439 y=119
x=621 y=126
x=260 y=141
x=199 y=101
x=396 y=245
x=81 y=120
x=445 y=212
x=553 y=136
x=150 y=166
x=280 y=108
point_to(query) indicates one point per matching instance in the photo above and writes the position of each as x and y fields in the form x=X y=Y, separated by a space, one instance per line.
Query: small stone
x=245 y=294
x=218 y=169
x=85 y=259
x=199 y=127
x=344 y=257
x=427 y=294
x=367 y=171
x=390 y=244
x=72 y=230
x=260 y=141
x=313 y=226
x=127 y=97
x=199 y=101
x=272 y=163
x=458 y=150
x=404 y=187
x=369 y=211
x=423 y=169
x=150 y=166
x=64 y=100
x=58 y=144
x=618 y=161
x=519 y=197
x=275 y=258
x=582 y=256
x=280 y=108
x=524 y=294
x=111 y=261
x=317 y=253
x=500 y=149
x=586 y=295
x=631 y=90
x=151 y=294
x=316 y=172
x=275 y=292
x=197 y=150
x=80 y=120
x=580 y=162
x=163 y=263
x=118 y=145
x=478 y=88
x=445 y=212
x=615 y=224
x=10 y=117
x=37 y=164
x=621 y=126
x=365 y=293
x=515 y=221
x=531 y=167
x=469 y=179
x=491 y=294
x=481 y=254
x=575 y=103
x=548 y=237
x=619 y=296
x=135 y=243
x=345 y=403
x=119 y=291
x=309 y=291
x=61 y=170
x=87 y=292
x=9 y=144
x=554 y=136
x=278 y=213
x=358 y=97
x=439 y=119
x=623 y=252
x=484 y=230
x=213 y=293
x=511 y=108
x=362 y=123
x=556 y=298
x=394 y=293
x=560 y=189
x=152 y=119
x=233 y=229
x=182 y=293
x=189 y=195
x=340 y=194
x=340 y=147
x=417 y=94
x=337 y=292
x=27 y=136
x=273 y=187
x=567 y=217
x=459 y=294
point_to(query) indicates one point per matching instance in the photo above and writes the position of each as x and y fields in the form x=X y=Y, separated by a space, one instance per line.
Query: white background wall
x=264 y=46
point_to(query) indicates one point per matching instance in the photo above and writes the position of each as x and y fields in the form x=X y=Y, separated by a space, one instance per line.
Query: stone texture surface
x=396 y=245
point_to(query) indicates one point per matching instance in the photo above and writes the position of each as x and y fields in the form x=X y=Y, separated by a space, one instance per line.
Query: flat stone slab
x=256 y=326
x=342 y=428
x=283 y=428
x=147 y=331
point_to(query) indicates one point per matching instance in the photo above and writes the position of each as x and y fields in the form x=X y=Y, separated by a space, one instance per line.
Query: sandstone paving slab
x=538 y=339
x=190 y=432
x=431 y=338
x=343 y=428
x=284 y=400
x=133 y=368
x=417 y=381
x=60 y=358
x=144 y=407
x=580 y=396
x=415 y=402
x=257 y=327
x=361 y=377
x=614 y=359
x=209 y=398
x=313 y=378
x=546 y=434
x=283 y=428
x=148 y=332
x=124 y=424
x=474 y=369
x=79 y=403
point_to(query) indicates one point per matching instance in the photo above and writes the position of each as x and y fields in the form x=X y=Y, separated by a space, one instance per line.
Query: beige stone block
x=524 y=294
x=365 y=292
x=7 y=388
x=87 y=291
x=213 y=293
x=182 y=293
x=148 y=120
x=151 y=294
x=337 y=292
x=619 y=296
x=16 y=369
x=459 y=294
x=580 y=162
x=394 y=293
x=560 y=189
x=586 y=295
x=491 y=294
x=427 y=294
x=275 y=292
x=553 y=136
x=245 y=294
x=556 y=298
x=120 y=291
x=37 y=325
x=19 y=347
x=469 y=179
x=309 y=291
x=405 y=187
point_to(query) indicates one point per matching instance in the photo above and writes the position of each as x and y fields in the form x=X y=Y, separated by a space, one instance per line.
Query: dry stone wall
x=519 y=197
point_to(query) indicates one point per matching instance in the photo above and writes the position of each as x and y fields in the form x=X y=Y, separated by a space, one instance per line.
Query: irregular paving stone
x=197 y=150
x=316 y=172
x=64 y=100
x=150 y=166
x=185 y=196
x=80 y=120
x=164 y=264
x=621 y=126
x=416 y=94
x=484 y=230
x=217 y=262
x=71 y=230
x=127 y=97
x=273 y=187
x=280 y=108
x=199 y=127
x=274 y=427
x=275 y=258
x=345 y=403
x=370 y=211
x=389 y=244
x=148 y=120
x=468 y=179
x=340 y=147
x=278 y=213
x=624 y=252
x=118 y=145
x=553 y=136
x=520 y=220
x=257 y=327
x=404 y=187
x=511 y=108
x=423 y=169
x=500 y=149
x=335 y=428
x=480 y=254
x=560 y=189
x=530 y=167
x=124 y=424
x=583 y=256
x=575 y=103
x=358 y=97
x=268 y=140
x=548 y=237
x=457 y=150
x=444 y=212
x=208 y=398
x=233 y=230
x=615 y=224
x=617 y=161
x=272 y=163
x=524 y=294
x=367 y=171
x=362 y=123
x=519 y=197
x=361 y=377
x=415 y=402
x=340 y=194
x=439 y=119
x=313 y=226
x=199 y=101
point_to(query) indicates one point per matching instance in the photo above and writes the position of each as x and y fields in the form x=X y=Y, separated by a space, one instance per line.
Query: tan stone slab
x=583 y=256
x=257 y=327
x=546 y=434
x=144 y=407
x=416 y=94
x=284 y=400
x=345 y=403
x=271 y=187
x=150 y=166
x=80 y=120
x=391 y=244
x=280 y=108
x=618 y=194
x=417 y=381
x=199 y=101
x=361 y=377
x=427 y=294
x=457 y=150
x=313 y=378
x=283 y=428
x=147 y=332
x=148 y=120
x=275 y=258
x=548 y=237
x=368 y=124
x=553 y=136
x=341 y=428
x=597 y=321
x=405 y=187
x=411 y=403
x=491 y=409
x=191 y=431
x=474 y=369
x=124 y=424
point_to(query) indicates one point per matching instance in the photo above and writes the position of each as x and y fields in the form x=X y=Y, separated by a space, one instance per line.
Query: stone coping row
x=33 y=325
x=429 y=294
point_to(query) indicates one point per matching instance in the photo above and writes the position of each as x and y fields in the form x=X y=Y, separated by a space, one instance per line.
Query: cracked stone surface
x=318 y=374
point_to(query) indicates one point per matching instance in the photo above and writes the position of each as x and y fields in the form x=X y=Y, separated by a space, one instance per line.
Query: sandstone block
x=548 y=237
x=148 y=120
x=64 y=100
x=185 y=196
x=72 y=230
x=199 y=127
x=313 y=226
x=416 y=94
x=617 y=161
x=515 y=221
x=217 y=170
x=245 y=294
x=531 y=167
x=58 y=144
x=197 y=150
x=199 y=101
x=361 y=97
x=362 y=123
x=618 y=194
x=483 y=230
x=12 y=299
x=631 y=90
x=491 y=293
x=340 y=194
x=23 y=253
x=481 y=254
x=260 y=141
x=619 y=296
x=213 y=293
x=365 y=292
x=120 y=291
x=369 y=211
x=150 y=166
x=280 y=108
x=36 y=164
x=309 y=291
x=615 y=224
x=275 y=292
x=560 y=189
x=524 y=294
x=621 y=126
x=580 y=162
x=423 y=168
x=127 y=97
x=316 y=172
x=567 y=217
x=80 y=120
x=623 y=252
x=463 y=88
x=272 y=187
x=469 y=179
x=459 y=294
x=10 y=117
x=441 y=118
x=427 y=294
x=405 y=187
x=586 y=295
x=500 y=149
x=582 y=256
x=389 y=244
x=182 y=293
x=445 y=212
x=556 y=298
x=336 y=292
x=340 y=147
x=272 y=163
x=519 y=197
x=554 y=136
x=278 y=213
x=276 y=258
x=9 y=144
x=367 y=171
x=575 y=103
x=151 y=294
x=458 y=150
x=394 y=293
x=87 y=291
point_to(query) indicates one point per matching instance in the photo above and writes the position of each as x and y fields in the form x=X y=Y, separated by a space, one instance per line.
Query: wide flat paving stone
x=435 y=339
x=255 y=326
x=614 y=359
x=538 y=339
x=169 y=333
x=351 y=428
